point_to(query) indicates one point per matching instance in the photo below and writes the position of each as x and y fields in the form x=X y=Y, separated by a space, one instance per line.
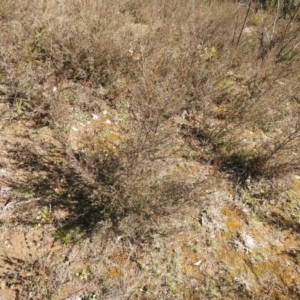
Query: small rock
x=95 y=117
x=197 y=263
x=248 y=30
x=248 y=240
x=2 y=285
x=73 y=298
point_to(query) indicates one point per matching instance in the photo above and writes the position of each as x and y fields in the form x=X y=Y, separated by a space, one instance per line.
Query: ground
x=149 y=150
x=232 y=243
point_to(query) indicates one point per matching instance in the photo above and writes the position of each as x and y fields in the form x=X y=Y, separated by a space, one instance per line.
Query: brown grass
x=138 y=120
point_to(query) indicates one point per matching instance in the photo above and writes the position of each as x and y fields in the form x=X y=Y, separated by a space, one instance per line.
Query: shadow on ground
x=62 y=181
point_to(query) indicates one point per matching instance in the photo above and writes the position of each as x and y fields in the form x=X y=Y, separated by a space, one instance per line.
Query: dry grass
x=161 y=137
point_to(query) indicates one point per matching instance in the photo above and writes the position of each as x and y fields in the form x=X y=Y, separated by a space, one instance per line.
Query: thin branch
x=244 y=22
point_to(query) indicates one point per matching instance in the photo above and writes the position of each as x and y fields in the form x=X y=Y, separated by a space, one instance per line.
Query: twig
x=244 y=22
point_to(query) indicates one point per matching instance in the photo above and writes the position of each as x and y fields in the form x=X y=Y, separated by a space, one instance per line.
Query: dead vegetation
x=157 y=141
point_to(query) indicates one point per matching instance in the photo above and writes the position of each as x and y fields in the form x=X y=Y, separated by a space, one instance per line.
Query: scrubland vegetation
x=150 y=149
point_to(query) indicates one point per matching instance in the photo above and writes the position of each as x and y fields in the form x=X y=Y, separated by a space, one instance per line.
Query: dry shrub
x=133 y=188
x=155 y=60
x=251 y=115
x=171 y=75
